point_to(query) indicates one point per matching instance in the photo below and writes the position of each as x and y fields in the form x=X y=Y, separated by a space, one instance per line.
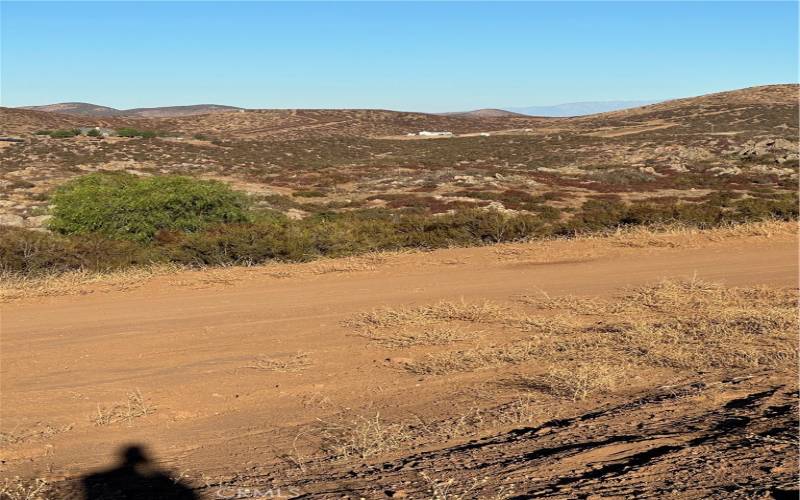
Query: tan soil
x=188 y=346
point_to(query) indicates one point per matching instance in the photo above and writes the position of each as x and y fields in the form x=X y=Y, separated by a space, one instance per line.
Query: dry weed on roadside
x=134 y=407
x=435 y=335
x=585 y=345
x=294 y=363
x=443 y=311
x=17 y=488
x=347 y=435
x=38 y=431
x=13 y=287
x=358 y=436
x=474 y=358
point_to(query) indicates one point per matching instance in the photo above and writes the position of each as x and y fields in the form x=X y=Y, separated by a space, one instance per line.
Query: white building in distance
x=426 y=133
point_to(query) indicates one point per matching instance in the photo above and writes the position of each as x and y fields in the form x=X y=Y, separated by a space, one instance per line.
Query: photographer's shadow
x=135 y=478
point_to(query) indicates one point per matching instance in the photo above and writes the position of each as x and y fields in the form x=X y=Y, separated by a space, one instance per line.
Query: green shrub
x=63 y=134
x=133 y=132
x=122 y=205
x=93 y=133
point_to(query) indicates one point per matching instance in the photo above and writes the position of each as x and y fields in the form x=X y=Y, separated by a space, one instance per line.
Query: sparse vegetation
x=424 y=336
x=357 y=436
x=592 y=343
x=17 y=488
x=393 y=318
x=295 y=363
x=579 y=382
x=61 y=133
x=39 y=431
x=133 y=132
x=134 y=407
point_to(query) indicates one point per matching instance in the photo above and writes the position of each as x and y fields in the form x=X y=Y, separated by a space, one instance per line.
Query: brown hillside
x=741 y=143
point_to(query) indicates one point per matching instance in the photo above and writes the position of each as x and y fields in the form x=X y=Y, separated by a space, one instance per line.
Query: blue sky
x=409 y=56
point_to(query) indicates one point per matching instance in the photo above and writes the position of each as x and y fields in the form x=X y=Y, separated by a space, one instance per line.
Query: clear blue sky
x=409 y=56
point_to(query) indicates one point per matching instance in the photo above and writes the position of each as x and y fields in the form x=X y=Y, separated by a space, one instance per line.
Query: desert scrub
x=357 y=436
x=602 y=214
x=121 y=205
x=61 y=133
x=132 y=132
x=26 y=253
x=111 y=221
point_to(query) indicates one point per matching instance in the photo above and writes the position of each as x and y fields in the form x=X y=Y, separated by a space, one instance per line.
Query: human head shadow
x=134 y=478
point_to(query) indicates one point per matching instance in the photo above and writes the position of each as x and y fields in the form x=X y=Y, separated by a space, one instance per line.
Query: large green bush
x=121 y=205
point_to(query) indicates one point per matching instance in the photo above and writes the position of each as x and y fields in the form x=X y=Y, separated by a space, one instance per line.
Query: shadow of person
x=135 y=478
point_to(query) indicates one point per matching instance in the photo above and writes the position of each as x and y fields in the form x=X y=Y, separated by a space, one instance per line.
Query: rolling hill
x=94 y=110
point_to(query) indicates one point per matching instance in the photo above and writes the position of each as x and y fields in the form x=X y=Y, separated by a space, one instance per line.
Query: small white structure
x=485 y=134
x=426 y=133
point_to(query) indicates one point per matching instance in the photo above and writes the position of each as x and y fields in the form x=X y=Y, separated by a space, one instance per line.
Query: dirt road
x=188 y=345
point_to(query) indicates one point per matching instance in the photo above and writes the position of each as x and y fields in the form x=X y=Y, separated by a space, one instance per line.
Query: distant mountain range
x=567 y=109
x=94 y=110
x=578 y=108
x=315 y=123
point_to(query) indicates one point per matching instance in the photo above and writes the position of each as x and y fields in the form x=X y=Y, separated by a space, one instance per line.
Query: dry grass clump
x=295 y=363
x=361 y=437
x=475 y=358
x=425 y=336
x=134 y=407
x=574 y=304
x=37 y=431
x=15 y=286
x=465 y=423
x=578 y=382
x=17 y=488
x=683 y=235
x=523 y=409
x=586 y=346
x=680 y=324
x=388 y=317
x=348 y=436
x=367 y=262
x=483 y=312
x=553 y=325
